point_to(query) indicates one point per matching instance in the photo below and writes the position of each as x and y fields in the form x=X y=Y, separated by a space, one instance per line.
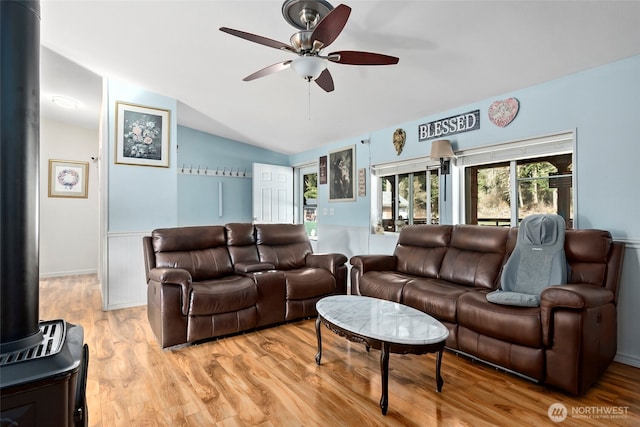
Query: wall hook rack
x=203 y=170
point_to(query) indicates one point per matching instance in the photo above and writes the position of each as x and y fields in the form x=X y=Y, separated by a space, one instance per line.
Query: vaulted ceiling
x=451 y=53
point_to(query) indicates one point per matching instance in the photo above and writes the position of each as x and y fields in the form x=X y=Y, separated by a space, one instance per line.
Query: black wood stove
x=43 y=364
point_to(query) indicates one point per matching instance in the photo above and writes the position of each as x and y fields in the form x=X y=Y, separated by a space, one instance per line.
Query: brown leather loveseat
x=210 y=281
x=446 y=271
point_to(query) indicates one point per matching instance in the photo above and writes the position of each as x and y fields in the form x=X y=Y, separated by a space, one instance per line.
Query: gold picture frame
x=142 y=135
x=68 y=178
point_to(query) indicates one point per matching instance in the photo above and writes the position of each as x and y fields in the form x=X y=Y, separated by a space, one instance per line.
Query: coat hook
x=198 y=169
x=238 y=172
x=224 y=171
x=182 y=168
x=245 y=172
x=216 y=170
x=190 y=168
x=205 y=170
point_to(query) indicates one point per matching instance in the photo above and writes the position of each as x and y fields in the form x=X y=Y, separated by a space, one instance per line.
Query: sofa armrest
x=329 y=262
x=174 y=276
x=364 y=263
x=574 y=297
x=246 y=267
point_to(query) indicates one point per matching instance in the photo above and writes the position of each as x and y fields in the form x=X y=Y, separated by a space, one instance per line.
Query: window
x=503 y=193
x=408 y=198
x=310 y=203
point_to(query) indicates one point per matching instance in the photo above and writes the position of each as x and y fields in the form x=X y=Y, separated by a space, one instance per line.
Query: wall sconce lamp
x=441 y=149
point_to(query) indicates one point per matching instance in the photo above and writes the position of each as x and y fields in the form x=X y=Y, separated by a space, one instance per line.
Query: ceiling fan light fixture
x=309 y=67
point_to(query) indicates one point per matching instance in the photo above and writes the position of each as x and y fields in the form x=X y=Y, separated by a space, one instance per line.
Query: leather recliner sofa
x=210 y=281
x=446 y=271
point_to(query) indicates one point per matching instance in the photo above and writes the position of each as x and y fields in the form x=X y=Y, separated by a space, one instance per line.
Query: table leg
x=439 y=381
x=318 y=334
x=384 y=369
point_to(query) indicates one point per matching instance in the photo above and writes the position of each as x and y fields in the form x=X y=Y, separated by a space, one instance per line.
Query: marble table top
x=382 y=320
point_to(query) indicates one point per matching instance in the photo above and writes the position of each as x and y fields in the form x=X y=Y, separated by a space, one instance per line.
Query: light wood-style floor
x=270 y=378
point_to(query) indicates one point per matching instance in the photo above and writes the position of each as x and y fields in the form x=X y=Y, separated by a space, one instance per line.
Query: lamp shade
x=441 y=149
x=309 y=67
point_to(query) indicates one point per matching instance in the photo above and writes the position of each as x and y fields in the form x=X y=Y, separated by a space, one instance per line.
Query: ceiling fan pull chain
x=309 y=96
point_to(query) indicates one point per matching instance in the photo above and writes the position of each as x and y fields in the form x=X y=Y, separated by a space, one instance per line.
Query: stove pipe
x=43 y=365
x=19 y=173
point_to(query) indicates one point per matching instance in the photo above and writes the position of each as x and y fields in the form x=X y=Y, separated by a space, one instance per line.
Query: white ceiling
x=451 y=53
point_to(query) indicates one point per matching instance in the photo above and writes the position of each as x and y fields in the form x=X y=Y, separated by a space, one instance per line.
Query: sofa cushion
x=242 y=248
x=475 y=256
x=202 y=251
x=224 y=295
x=283 y=245
x=384 y=284
x=308 y=283
x=421 y=248
x=437 y=298
x=517 y=325
x=587 y=253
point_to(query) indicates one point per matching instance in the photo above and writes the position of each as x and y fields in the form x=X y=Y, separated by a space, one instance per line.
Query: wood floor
x=270 y=378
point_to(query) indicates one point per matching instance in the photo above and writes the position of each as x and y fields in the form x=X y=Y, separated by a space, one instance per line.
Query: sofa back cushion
x=475 y=255
x=202 y=251
x=587 y=253
x=421 y=248
x=284 y=245
x=241 y=243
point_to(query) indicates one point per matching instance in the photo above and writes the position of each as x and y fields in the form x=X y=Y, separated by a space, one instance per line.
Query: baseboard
x=130 y=304
x=67 y=273
x=628 y=359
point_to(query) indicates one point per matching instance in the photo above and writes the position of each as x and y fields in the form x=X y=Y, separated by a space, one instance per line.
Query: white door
x=272 y=194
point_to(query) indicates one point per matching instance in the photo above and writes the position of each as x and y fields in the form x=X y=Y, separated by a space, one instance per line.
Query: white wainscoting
x=629 y=306
x=125 y=284
x=349 y=241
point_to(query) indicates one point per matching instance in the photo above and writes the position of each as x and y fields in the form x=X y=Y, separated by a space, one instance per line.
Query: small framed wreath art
x=142 y=135
x=68 y=179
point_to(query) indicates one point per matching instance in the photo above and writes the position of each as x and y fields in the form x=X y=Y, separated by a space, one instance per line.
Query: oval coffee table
x=383 y=325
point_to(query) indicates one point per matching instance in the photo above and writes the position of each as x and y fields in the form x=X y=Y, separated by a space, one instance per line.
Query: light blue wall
x=602 y=105
x=198 y=194
x=140 y=197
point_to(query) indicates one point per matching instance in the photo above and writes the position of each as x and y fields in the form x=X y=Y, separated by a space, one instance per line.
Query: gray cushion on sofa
x=538 y=261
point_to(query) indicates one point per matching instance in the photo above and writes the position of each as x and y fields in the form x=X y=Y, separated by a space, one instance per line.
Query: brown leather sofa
x=210 y=281
x=446 y=271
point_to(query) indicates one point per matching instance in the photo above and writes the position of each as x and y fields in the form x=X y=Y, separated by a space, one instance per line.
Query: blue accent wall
x=198 y=193
x=601 y=104
x=140 y=197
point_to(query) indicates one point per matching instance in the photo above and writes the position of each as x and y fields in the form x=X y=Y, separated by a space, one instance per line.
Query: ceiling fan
x=319 y=24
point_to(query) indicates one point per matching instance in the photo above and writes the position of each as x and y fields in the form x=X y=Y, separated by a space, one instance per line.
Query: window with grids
x=408 y=198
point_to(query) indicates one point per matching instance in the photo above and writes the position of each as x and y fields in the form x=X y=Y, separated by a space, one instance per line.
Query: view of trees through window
x=543 y=185
x=310 y=204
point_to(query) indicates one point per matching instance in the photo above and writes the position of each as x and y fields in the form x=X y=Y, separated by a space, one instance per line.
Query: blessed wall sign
x=450 y=126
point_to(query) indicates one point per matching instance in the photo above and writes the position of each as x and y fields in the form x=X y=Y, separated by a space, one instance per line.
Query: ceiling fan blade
x=268 y=70
x=325 y=81
x=257 y=39
x=330 y=27
x=354 y=57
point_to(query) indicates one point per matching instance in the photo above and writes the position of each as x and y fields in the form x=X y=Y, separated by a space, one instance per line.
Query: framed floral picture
x=142 y=135
x=342 y=175
x=68 y=179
